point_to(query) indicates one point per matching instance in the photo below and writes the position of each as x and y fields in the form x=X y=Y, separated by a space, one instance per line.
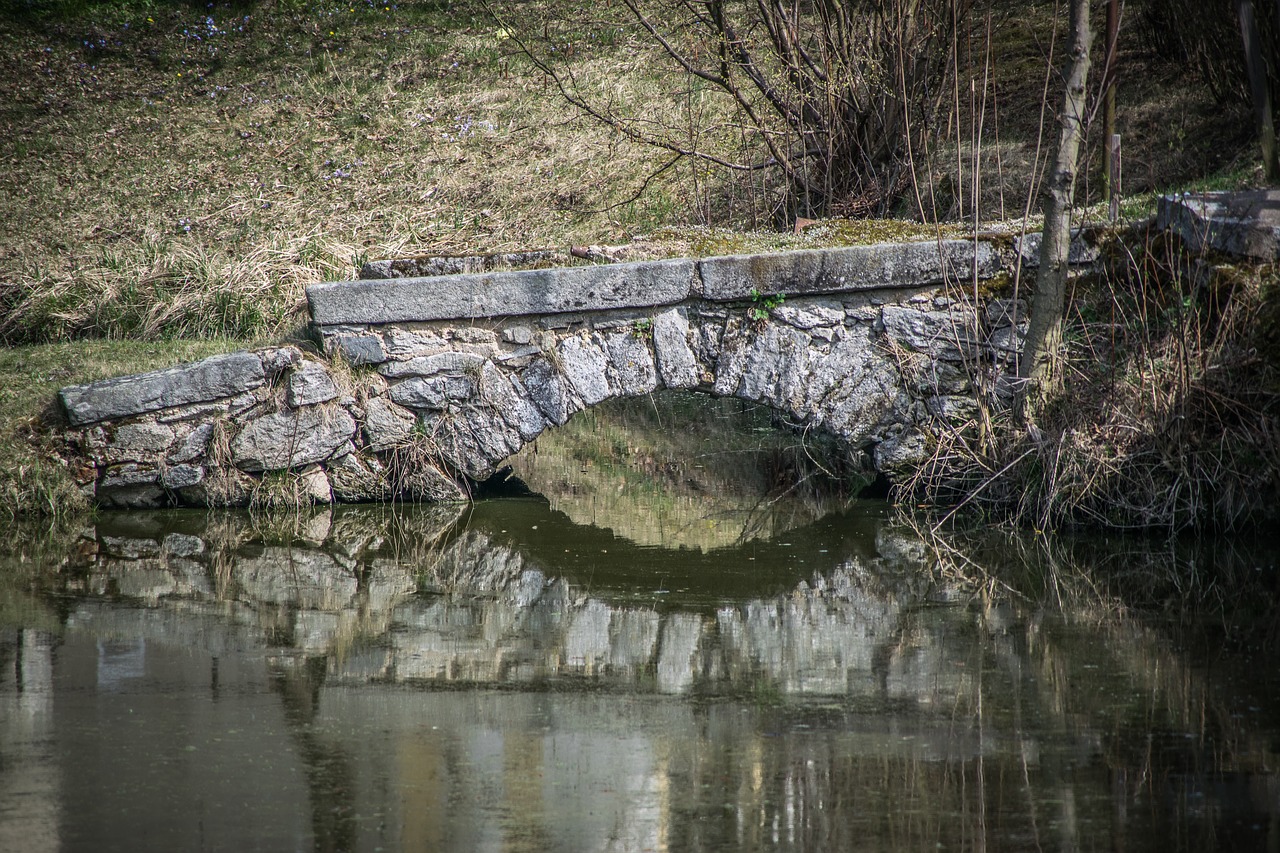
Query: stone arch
x=829 y=364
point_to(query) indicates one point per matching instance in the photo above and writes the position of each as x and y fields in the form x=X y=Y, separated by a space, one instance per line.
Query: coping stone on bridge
x=647 y=284
x=1245 y=223
x=501 y=294
x=843 y=270
x=214 y=378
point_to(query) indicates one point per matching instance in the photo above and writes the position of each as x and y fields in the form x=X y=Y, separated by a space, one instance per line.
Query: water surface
x=501 y=677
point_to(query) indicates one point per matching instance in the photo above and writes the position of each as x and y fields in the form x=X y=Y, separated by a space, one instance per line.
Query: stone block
x=432 y=392
x=430 y=365
x=1079 y=253
x=203 y=381
x=501 y=294
x=310 y=384
x=585 y=366
x=631 y=368
x=677 y=364
x=1245 y=223
x=291 y=438
x=893 y=265
x=357 y=349
x=387 y=425
x=549 y=391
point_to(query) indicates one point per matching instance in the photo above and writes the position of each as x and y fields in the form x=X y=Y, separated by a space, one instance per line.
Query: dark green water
x=501 y=678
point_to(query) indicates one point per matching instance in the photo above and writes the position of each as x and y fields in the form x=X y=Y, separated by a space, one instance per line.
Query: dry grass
x=1171 y=415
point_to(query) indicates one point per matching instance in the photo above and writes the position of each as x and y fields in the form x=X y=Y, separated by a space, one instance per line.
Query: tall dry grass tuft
x=1170 y=418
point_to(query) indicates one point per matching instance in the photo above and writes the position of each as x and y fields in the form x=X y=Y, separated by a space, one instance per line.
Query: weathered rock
x=176 y=477
x=1245 y=223
x=432 y=392
x=357 y=479
x=549 y=391
x=291 y=438
x=893 y=265
x=677 y=364
x=387 y=425
x=1079 y=253
x=429 y=365
x=590 y=288
x=211 y=379
x=631 y=369
x=356 y=347
x=511 y=403
x=939 y=334
x=585 y=366
x=309 y=384
x=193 y=445
x=901 y=453
x=143 y=440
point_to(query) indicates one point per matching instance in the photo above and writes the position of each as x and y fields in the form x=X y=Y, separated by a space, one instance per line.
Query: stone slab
x=1244 y=223
x=203 y=381
x=501 y=294
x=845 y=270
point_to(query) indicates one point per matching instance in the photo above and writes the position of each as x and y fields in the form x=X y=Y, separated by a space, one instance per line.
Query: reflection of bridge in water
x=252 y=685
x=498 y=615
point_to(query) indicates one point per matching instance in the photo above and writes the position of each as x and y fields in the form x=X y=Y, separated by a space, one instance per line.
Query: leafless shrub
x=831 y=98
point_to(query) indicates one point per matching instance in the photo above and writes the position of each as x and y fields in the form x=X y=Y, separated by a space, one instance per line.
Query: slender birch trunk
x=1041 y=367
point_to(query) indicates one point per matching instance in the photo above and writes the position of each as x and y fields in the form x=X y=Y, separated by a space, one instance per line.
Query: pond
x=791 y=674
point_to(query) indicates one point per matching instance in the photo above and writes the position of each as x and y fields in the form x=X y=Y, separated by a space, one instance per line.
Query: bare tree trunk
x=1041 y=366
x=1259 y=88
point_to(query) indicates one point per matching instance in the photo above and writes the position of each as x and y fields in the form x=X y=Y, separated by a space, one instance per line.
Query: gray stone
x=585 y=366
x=211 y=379
x=289 y=439
x=313 y=485
x=894 y=265
x=510 y=402
x=1079 y=252
x=356 y=479
x=954 y=409
x=501 y=294
x=403 y=343
x=176 y=477
x=138 y=441
x=310 y=384
x=940 y=334
x=193 y=445
x=276 y=360
x=810 y=315
x=1005 y=312
x=677 y=364
x=130 y=486
x=430 y=365
x=519 y=335
x=387 y=425
x=549 y=391
x=357 y=349
x=631 y=368
x=1244 y=223
x=433 y=392
x=901 y=453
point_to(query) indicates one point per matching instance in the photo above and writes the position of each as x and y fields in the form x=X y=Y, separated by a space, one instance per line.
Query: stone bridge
x=424 y=385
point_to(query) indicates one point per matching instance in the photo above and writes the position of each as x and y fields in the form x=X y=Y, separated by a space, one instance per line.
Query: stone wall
x=426 y=385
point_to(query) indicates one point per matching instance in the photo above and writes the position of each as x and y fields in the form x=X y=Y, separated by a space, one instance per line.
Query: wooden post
x=1109 y=101
x=1114 y=183
x=1259 y=87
